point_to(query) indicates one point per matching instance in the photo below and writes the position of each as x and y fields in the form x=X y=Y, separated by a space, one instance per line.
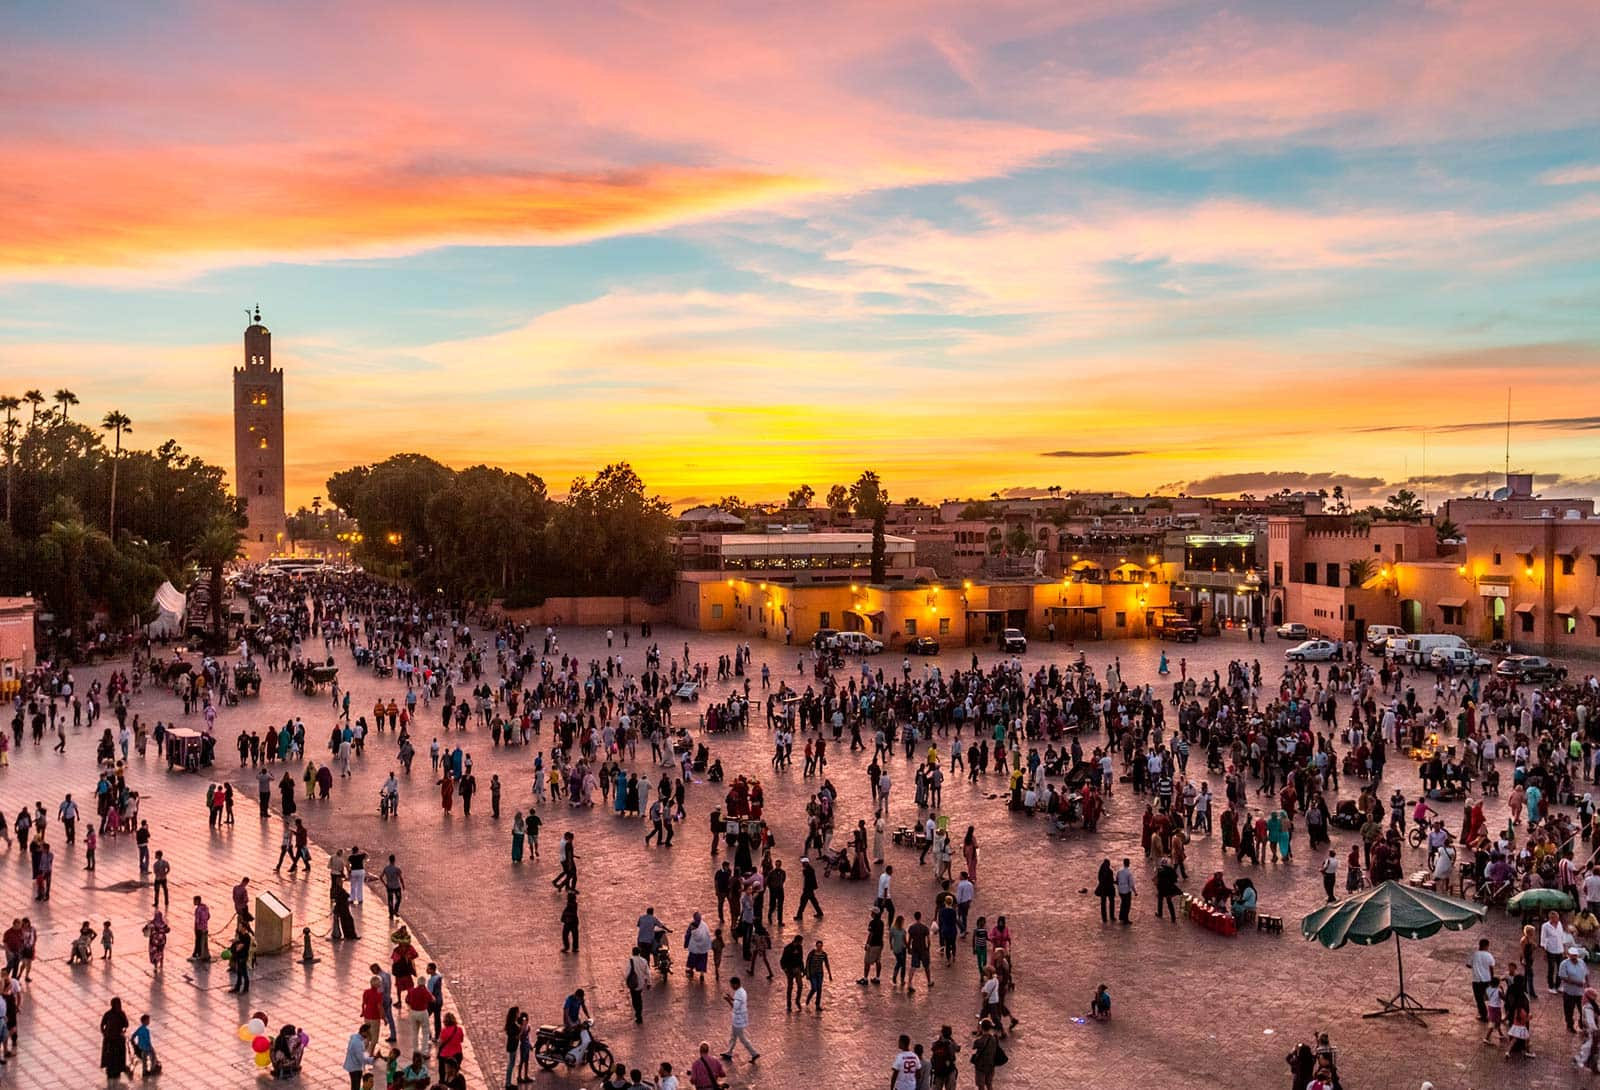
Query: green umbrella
x=1391 y=910
x=1541 y=900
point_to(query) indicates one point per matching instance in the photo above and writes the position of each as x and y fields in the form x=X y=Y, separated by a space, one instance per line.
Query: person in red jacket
x=450 y=1038
x=372 y=1008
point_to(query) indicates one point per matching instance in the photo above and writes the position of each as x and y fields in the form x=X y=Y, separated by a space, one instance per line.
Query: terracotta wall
x=591 y=611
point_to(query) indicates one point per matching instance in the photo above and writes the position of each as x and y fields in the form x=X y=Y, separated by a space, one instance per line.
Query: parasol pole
x=1400 y=964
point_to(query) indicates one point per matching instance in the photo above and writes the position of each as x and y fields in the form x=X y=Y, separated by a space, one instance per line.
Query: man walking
x=202 y=931
x=739 y=1000
x=1125 y=892
x=1482 y=965
x=1330 y=873
x=808 y=890
x=816 y=965
x=161 y=870
x=394 y=887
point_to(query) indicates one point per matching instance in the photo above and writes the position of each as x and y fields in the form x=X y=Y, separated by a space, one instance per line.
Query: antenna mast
x=1508 y=435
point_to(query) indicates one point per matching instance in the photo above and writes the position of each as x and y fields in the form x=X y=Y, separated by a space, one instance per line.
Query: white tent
x=169 y=603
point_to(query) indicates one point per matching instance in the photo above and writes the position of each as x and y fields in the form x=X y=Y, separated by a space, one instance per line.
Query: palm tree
x=34 y=398
x=1446 y=530
x=1360 y=570
x=66 y=399
x=10 y=404
x=73 y=537
x=117 y=422
x=219 y=544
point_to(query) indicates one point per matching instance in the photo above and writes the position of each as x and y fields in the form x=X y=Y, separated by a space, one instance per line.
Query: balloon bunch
x=254 y=1034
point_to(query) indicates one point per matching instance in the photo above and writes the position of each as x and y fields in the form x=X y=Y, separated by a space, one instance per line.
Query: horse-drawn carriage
x=186 y=749
x=311 y=679
x=247 y=678
x=170 y=671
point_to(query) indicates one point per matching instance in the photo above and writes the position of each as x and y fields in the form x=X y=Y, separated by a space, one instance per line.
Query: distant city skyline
x=977 y=248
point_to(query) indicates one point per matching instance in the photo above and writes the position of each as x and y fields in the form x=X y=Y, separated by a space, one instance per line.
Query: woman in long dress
x=969 y=852
x=519 y=830
x=114 y=1042
x=877 y=839
x=156 y=930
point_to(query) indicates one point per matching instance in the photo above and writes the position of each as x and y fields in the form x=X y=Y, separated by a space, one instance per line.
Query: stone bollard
x=306 y=956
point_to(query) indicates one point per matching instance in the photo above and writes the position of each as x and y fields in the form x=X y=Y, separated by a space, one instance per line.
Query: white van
x=857 y=643
x=1417 y=649
x=1379 y=634
x=1462 y=660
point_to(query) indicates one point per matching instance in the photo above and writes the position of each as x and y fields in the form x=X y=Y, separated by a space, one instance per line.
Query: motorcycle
x=661 y=953
x=554 y=1046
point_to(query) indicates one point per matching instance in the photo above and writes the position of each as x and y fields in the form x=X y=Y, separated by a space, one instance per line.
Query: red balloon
x=261 y=1044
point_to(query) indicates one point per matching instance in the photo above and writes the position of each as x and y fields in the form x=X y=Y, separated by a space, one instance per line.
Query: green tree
x=9 y=404
x=487 y=527
x=1360 y=570
x=870 y=500
x=67 y=546
x=839 y=500
x=34 y=398
x=219 y=544
x=800 y=498
x=1405 y=506
x=1446 y=530
x=66 y=399
x=115 y=421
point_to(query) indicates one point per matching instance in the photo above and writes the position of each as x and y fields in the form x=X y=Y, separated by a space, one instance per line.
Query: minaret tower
x=258 y=442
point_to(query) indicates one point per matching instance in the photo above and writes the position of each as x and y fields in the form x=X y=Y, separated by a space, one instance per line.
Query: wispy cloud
x=1588 y=174
x=1090 y=453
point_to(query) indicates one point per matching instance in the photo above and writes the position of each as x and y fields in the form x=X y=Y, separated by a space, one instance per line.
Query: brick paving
x=1191 y=1008
x=193 y=1015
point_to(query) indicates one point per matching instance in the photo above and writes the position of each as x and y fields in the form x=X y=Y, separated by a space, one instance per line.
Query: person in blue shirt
x=144 y=1048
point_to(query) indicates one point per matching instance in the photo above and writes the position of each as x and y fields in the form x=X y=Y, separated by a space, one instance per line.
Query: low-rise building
x=17 y=647
x=1335 y=573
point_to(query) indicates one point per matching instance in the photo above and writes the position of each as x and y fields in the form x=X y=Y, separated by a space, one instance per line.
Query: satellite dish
x=1501 y=493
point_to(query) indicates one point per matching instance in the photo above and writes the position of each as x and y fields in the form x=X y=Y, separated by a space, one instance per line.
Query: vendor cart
x=185 y=749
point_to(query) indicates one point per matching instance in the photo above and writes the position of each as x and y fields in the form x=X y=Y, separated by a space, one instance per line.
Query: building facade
x=258 y=443
x=1337 y=574
x=16 y=642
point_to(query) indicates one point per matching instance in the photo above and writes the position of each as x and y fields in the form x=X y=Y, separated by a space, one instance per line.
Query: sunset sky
x=976 y=246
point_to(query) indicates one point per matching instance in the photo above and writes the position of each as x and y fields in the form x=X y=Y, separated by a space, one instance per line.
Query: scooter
x=575 y=1047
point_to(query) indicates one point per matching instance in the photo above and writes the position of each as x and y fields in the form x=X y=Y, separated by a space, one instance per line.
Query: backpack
x=633 y=977
x=943 y=1056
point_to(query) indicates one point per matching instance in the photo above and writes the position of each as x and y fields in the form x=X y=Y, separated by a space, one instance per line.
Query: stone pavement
x=1191 y=1008
x=193 y=1016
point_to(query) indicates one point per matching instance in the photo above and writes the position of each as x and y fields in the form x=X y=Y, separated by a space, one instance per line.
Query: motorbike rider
x=575 y=1020
x=389 y=795
x=651 y=931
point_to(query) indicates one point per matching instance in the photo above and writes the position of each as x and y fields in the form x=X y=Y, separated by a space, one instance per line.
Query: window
x=1596 y=621
x=824 y=619
x=1525 y=623
x=1277 y=573
x=1310 y=573
x=911 y=626
x=1377 y=548
x=1568 y=564
x=1569 y=625
x=1452 y=614
x=261 y=490
x=1497 y=556
x=263 y=443
x=944 y=625
x=1333 y=574
x=716 y=611
x=1121 y=619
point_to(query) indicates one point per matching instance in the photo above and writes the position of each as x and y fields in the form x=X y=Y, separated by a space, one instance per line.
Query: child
x=1521 y=1035
x=81 y=945
x=1100 y=1005
x=1494 y=1000
x=145 y=1050
x=980 y=943
x=106 y=940
x=716 y=954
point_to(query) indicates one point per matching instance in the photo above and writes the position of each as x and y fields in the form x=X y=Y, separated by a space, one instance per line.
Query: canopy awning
x=1524 y=607
x=1567 y=611
x=1453 y=603
x=1568 y=550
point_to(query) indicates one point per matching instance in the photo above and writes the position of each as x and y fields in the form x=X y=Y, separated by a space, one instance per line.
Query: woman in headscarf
x=519 y=832
x=114 y=1042
x=156 y=930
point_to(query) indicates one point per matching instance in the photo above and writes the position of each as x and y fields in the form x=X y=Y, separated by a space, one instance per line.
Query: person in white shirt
x=1554 y=940
x=1591 y=890
x=1125 y=891
x=885 y=898
x=665 y=1079
x=1482 y=965
x=907 y=1066
x=739 y=1000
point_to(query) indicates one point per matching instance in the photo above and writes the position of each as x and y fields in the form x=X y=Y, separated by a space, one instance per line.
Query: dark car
x=1529 y=668
x=922 y=645
x=1182 y=631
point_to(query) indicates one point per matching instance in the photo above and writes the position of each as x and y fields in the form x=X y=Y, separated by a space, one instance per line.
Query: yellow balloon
x=245 y=1035
x=263 y=1059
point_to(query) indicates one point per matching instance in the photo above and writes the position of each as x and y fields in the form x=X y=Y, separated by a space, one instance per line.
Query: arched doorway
x=1277 y=610
x=1411 y=615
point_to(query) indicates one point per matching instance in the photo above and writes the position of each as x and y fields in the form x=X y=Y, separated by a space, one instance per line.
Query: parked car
x=823 y=638
x=1012 y=639
x=1460 y=659
x=1182 y=631
x=857 y=643
x=1312 y=651
x=1292 y=631
x=1529 y=668
x=922 y=645
x=1378 y=634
